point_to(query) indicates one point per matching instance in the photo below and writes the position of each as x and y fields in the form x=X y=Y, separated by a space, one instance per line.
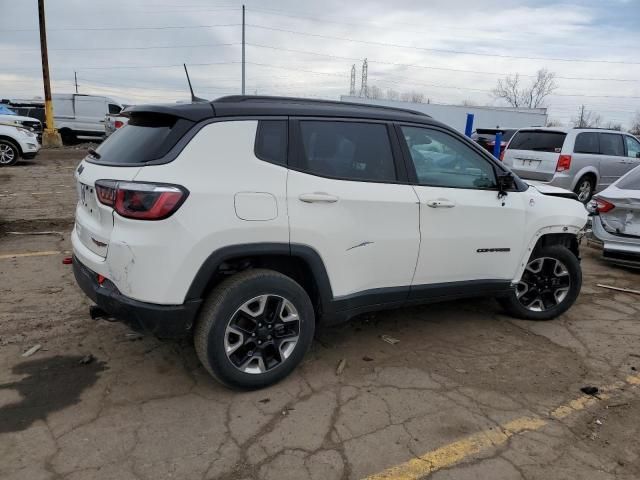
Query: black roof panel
x=248 y=105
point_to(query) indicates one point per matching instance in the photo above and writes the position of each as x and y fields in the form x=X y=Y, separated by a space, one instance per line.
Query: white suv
x=247 y=221
x=16 y=142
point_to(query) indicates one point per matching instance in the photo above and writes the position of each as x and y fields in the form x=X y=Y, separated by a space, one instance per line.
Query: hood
x=13 y=119
x=552 y=191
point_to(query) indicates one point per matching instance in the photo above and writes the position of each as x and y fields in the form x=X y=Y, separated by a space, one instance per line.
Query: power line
x=94 y=29
x=439 y=50
x=202 y=45
x=415 y=65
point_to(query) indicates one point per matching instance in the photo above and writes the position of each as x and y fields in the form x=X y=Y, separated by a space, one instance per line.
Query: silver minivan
x=583 y=160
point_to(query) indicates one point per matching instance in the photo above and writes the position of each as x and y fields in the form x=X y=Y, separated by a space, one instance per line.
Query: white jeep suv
x=248 y=221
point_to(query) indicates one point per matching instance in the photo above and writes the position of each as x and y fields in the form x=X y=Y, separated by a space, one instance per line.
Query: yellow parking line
x=29 y=254
x=454 y=452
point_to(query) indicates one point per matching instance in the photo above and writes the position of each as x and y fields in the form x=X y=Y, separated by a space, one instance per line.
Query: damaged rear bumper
x=622 y=250
x=163 y=321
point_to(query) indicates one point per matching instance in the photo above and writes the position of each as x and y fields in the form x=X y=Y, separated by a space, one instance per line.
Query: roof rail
x=268 y=98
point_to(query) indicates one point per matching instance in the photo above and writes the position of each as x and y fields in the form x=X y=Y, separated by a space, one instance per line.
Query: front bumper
x=618 y=249
x=163 y=321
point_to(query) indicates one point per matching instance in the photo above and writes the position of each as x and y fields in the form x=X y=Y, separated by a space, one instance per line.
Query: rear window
x=631 y=181
x=143 y=139
x=537 y=140
x=587 y=142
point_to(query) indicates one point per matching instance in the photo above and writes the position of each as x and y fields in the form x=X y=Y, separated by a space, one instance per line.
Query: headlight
x=26 y=132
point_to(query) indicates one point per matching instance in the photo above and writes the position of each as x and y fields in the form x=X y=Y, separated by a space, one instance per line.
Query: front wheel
x=549 y=285
x=9 y=153
x=254 y=329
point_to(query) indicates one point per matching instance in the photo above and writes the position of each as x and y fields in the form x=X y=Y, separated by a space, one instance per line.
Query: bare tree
x=613 y=126
x=393 y=94
x=635 y=125
x=517 y=94
x=469 y=103
x=375 y=92
x=586 y=119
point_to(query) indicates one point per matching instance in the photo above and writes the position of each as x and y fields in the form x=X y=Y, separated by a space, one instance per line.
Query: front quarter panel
x=548 y=215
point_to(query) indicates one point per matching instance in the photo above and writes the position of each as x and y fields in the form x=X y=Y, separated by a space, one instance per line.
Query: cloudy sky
x=450 y=50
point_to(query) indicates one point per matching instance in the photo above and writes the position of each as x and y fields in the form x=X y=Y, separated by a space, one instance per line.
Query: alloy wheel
x=584 y=191
x=7 y=154
x=544 y=284
x=262 y=334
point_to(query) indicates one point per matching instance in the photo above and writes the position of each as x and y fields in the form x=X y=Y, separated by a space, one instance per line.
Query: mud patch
x=48 y=385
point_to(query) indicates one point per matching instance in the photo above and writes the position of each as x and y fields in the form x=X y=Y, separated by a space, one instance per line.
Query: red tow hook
x=67 y=260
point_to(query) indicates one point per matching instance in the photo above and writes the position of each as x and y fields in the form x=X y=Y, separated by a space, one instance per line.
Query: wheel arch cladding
x=568 y=240
x=299 y=262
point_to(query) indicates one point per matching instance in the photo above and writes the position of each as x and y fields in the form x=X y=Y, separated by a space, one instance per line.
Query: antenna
x=352 y=87
x=194 y=99
x=364 y=89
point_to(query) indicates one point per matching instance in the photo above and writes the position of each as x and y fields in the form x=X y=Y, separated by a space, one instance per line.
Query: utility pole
x=75 y=77
x=50 y=136
x=243 y=67
x=364 y=88
x=352 y=87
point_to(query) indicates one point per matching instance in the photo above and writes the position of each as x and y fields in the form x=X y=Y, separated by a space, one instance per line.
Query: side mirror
x=506 y=182
x=637 y=154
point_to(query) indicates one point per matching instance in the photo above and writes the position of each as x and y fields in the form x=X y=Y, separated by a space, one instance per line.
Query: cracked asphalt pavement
x=466 y=393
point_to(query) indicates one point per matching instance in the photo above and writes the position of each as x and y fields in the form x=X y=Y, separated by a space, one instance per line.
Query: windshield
x=4 y=110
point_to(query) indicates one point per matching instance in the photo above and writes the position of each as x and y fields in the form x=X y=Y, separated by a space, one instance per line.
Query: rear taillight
x=118 y=124
x=502 y=155
x=564 y=163
x=602 y=206
x=142 y=201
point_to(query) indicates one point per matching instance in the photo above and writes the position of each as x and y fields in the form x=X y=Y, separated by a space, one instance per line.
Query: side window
x=347 y=150
x=587 y=142
x=633 y=147
x=115 y=109
x=271 y=141
x=611 y=144
x=441 y=160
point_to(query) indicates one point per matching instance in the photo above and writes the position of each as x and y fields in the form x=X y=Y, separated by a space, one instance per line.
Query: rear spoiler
x=193 y=112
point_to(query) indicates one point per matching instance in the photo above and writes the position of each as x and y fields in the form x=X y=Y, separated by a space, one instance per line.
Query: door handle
x=318 y=197
x=440 y=204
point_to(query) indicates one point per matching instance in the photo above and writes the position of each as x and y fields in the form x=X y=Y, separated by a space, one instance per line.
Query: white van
x=81 y=117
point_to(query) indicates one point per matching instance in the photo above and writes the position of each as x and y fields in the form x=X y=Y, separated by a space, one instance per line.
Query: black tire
x=222 y=308
x=9 y=153
x=585 y=188
x=516 y=307
x=68 y=137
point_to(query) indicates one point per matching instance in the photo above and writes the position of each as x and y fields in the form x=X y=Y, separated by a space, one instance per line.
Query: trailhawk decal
x=492 y=250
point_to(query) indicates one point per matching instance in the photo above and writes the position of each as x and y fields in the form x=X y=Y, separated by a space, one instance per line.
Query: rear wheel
x=254 y=329
x=9 y=153
x=549 y=285
x=584 y=188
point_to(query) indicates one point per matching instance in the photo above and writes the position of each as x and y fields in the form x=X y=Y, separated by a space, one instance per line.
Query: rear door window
x=611 y=144
x=143 y=139
x=538 y=141
x=587 y=142
x=271 y=141
x=347 y=150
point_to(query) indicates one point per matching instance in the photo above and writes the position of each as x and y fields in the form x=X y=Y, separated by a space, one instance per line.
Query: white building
x=456 y=115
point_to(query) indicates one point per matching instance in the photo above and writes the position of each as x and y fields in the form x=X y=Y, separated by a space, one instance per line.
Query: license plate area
x=87 y=200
